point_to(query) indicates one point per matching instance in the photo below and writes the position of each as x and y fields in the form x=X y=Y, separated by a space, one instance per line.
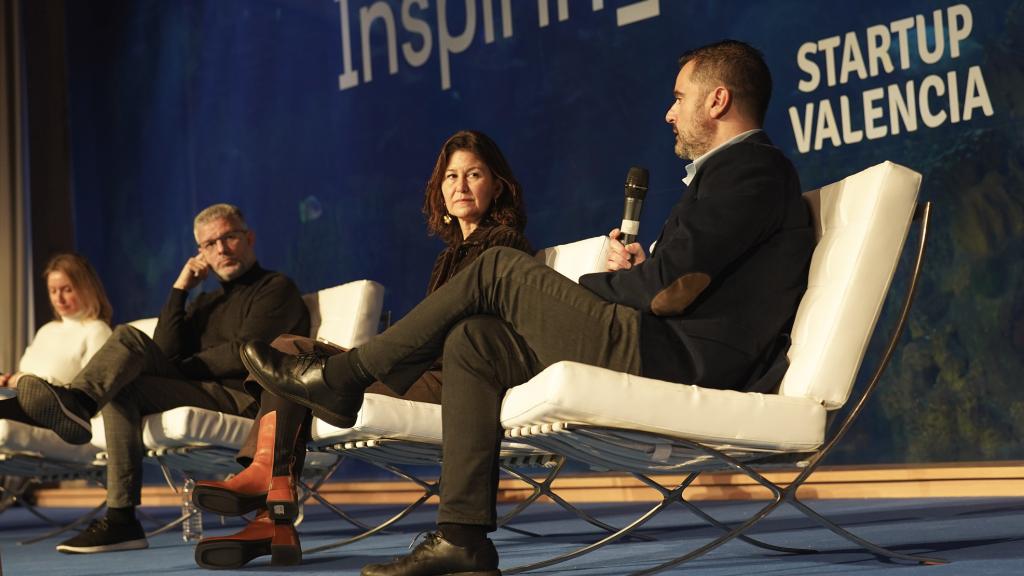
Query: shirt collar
x=692 y=167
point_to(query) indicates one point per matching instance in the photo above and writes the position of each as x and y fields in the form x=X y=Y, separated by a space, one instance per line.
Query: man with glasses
x=192 y=360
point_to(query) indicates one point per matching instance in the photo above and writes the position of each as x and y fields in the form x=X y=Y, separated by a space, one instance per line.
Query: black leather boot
x=301 y=379
x=435 y=556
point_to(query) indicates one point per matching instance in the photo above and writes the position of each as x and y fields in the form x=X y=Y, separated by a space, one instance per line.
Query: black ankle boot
x=301 y=380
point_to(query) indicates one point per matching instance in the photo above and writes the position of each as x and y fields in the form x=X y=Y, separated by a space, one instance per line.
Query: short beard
x=236 y=273
x=696 y=144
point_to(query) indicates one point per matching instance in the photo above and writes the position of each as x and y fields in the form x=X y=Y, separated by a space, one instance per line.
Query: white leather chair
x=615 y=421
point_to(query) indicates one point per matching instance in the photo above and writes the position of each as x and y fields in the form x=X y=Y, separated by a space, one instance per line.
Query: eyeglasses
x=230 y=239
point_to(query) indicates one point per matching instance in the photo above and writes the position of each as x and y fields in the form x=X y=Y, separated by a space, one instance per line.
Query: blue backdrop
x=322 y=120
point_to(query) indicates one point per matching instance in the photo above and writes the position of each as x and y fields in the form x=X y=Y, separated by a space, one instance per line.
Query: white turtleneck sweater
x=62 y=347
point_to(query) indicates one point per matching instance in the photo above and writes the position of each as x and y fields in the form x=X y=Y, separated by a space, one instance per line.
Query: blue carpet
x=979 y=536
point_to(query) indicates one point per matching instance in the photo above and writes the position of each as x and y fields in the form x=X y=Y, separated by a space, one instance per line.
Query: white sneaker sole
x=126 y=545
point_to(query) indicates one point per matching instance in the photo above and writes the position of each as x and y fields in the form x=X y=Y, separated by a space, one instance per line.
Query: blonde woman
x=80 y=326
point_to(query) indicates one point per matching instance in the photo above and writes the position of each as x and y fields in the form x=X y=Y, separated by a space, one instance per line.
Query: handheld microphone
x=636 y=190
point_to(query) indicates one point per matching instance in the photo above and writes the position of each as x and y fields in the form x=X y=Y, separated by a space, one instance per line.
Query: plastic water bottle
x=192 y=527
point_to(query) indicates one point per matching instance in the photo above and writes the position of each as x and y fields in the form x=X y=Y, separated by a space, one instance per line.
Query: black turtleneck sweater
x=203 y=339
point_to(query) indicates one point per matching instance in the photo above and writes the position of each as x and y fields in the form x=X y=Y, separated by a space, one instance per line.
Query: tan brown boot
x=281 y=499
x=261 y=537
x=247 y=490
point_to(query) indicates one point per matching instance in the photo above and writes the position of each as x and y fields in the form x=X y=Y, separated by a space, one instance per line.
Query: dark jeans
x=129 y=378
x=496 y=324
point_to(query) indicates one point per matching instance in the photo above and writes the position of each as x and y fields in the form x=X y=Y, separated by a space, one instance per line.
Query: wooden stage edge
x=987 y=479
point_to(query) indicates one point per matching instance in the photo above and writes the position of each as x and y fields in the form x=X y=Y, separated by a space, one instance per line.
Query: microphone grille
x=636 y=182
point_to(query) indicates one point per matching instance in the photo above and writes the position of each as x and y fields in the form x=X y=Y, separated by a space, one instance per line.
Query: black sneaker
x=102 y=535
x=56 y=408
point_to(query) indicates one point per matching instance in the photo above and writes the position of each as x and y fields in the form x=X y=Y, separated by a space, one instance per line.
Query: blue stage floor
x=979 y=536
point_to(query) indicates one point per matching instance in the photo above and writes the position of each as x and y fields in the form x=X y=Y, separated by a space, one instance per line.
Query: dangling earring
x=447 y=219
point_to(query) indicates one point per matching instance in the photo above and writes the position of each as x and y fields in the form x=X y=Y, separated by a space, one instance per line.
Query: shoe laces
x=98 y=525
x=427 y=537
x=307 y=360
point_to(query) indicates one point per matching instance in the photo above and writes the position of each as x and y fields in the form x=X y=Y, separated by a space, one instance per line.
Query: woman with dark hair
x=80 y=326
x=473 y=202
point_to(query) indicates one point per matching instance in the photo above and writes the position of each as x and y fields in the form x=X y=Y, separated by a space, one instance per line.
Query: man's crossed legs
x=127 y=379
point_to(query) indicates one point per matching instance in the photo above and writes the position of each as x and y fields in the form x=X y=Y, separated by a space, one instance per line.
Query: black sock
x=121 y=515
x=11 y=410
x=463 y=535
x=85 y=401
x=359 y=369
x=345 y=371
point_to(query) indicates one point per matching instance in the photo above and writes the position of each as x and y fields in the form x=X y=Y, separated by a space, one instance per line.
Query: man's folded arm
x=172 y=334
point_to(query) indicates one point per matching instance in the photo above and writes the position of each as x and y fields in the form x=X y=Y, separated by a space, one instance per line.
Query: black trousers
x=496 y=324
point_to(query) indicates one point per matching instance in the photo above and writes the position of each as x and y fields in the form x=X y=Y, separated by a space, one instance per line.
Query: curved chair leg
x=543 y=488
x=624 y=531
x=380 y=527
x=714 y=522
x=429 y=489
x=734 y=533
x=676 y=495
x=94 y=478
x=748 y=539
x=538 y=489
x=868 y=545
x=338 y=511
x=60 y=529
x=168 y=526
x=312 y=490
x=668 y=497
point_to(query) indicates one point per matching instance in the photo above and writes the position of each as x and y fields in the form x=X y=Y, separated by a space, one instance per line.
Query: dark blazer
x=726 y=273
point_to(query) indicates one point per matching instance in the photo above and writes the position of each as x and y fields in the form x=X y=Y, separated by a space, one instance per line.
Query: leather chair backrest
x=861 y=224
x=346 y=315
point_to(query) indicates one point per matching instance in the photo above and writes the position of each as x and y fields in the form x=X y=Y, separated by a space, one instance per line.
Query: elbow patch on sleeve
x=674 y=298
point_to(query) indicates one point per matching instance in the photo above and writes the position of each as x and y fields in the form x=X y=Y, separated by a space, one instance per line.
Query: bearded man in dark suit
x=709 y=306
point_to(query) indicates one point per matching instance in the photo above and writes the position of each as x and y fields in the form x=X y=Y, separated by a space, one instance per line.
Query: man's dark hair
x=739 y=67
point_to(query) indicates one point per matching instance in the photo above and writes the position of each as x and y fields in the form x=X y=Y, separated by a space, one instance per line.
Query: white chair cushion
x=578 y=258
x=18 y=438
x=397 y=419
x=146 y=325
x=185 y=426
x=346 y=315
x=578 y=393
x=863 y=222
x=385 y=417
